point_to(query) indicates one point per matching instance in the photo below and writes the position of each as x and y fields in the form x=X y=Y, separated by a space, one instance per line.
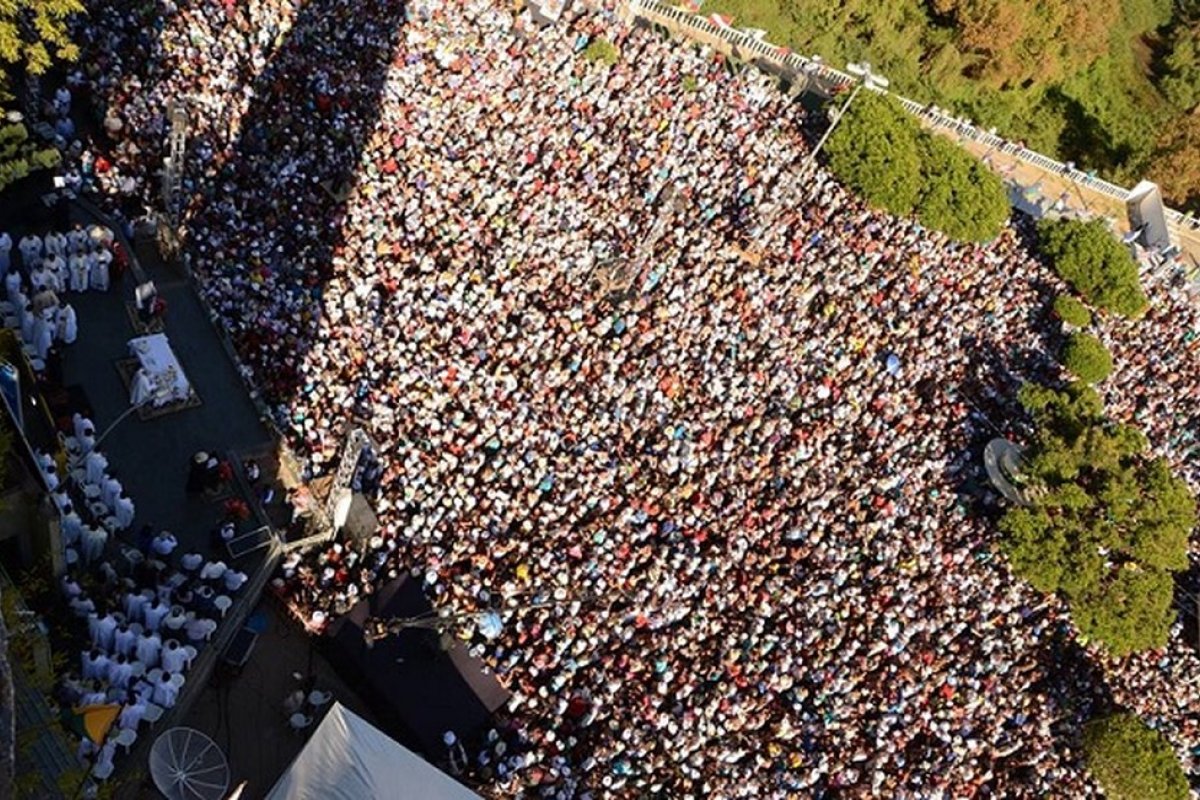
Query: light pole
x=163 y=393
x=866 y=77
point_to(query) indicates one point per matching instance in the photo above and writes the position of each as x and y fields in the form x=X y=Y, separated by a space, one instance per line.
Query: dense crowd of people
x=699 y=424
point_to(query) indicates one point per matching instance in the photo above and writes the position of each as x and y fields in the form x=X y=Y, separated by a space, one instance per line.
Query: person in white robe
x=5 y=251
x=55 y=244
x=78 y=267
x=27 y=318
x=98 y=275
x=165 y=692
x=93 y=543
x=77 y=240
x=110 y=490
x=67 y=324
x=120 y=671
x=123 y=510
x=57 y=273
x=124 y=640
x=43 y=337
x=72 y=528
x=131 y=716
x=174 y=657
x=95 y=465
x=106 y=628
x=12 y=286
x=141 y=389
x=31 y=250
x=148 y=648
x=155 y=614
x=135 y=606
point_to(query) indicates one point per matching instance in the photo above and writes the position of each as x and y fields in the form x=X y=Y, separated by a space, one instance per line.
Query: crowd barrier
x=750 y=48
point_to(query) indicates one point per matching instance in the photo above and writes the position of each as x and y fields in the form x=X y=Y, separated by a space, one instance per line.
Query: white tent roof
x=348 y=758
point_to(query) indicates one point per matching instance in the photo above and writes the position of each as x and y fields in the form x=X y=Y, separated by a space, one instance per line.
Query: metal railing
x=661 y=13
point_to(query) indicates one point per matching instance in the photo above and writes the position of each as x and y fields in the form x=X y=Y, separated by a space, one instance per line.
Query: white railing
x=663 y=14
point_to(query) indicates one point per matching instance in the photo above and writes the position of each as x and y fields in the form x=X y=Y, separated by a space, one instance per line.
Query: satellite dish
x=341 y=508
x=187 y=765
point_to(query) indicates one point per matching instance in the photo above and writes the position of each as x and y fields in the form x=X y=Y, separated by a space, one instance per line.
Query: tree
x=35 y=32
x=19 y=156
x=874 y=152
x=1087 y=256
x=1175 y=163
x=1132 y=761
x=1071 y=311
x=960 y=196
x=1087 y=358
x=1108 y=526
x=1181 y=67
x=602 y=51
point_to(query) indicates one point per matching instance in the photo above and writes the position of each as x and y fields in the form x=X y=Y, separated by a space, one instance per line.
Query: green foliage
x=602 y=51
x=689 y=83
x=1087 y=358
x=1109 y=526
x=1072 y=80
x=1181 y=67
x=1131 y=761
x=1087 y=256
x=18 y=157
x=874 y=151
x=33 y=33
x=1071 y=311
x=880 y=152
x=960 y=196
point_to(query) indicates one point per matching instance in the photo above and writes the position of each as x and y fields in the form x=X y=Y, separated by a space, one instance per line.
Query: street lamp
x=162 y=393
x=866 y=77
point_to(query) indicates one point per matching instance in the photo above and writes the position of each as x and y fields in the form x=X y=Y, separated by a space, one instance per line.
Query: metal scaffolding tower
x=173 y=164
x=356 y=442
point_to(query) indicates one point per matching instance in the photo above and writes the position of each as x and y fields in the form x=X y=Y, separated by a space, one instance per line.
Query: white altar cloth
x=161 y=379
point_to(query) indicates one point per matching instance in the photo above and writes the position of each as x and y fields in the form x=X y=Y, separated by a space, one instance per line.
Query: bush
x=960 y=196
x=1087 y=256
x=1087 y=358
x=1094 y=491
x=1131 y=761
x=874 y=152
x=601 y=50
x=1071 y=311
x=881 y=153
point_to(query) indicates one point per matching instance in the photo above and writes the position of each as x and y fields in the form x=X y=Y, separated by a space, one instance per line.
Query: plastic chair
x=178 y=680
x=223 y=604
x=300 y=721
x=152 y=714
x=126 y=738
x=190 y=653
x=102 y=771
x=154 y=676
x=317 y=698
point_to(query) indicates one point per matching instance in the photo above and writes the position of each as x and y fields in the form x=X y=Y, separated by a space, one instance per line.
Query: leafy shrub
x=1131 y=761
x=1086 y=357
x=1071 y=311
x=874 y=152
x=1087 y=256
x=881 y=153
x=1094 y=491
x=960 y=195
x=602 y=51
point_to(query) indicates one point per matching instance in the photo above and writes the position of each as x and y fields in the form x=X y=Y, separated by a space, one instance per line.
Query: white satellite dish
x=187 y=765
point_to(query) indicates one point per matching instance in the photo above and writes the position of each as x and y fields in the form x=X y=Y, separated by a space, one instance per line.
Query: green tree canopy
x=1087 y=358
x=1132 y=761
x=1087 y=256
x=34 y=32
x=1181 y=67
x=1108 y=526
x=874 y=152
x=1071 y=311
x=960 y=196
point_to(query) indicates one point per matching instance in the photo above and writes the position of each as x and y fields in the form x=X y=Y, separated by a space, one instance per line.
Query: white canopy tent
x=348 y=758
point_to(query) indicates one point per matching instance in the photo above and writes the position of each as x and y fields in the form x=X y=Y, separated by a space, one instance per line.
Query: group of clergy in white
x=75 y=261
